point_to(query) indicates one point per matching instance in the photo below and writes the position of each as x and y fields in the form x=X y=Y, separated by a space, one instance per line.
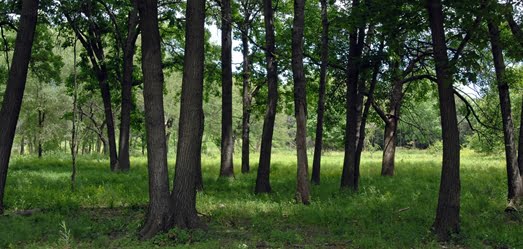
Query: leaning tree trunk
x=183 y=196
x=154 y=121
x=14 y=91
x=262 y=180
x=447 y=213
x=124 y=163
x=300 y=102
x=316 y=164
x=108 y=111
x=515 y=185
x=227 y=143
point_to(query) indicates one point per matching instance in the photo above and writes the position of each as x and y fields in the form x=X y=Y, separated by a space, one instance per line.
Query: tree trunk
x=129 y=49
x=447 y=214
x=316 y=164
x=227 y=143
x=108 y=111
x=300 y=102
x=350 y=176
x=515 y=184
x=156 y=220
x=74 y=139
x=246 y=97
x=22 y=146
x=41 y=119
x=183 y=196
x=263 y=184
x=391 y=123
x=14 y=91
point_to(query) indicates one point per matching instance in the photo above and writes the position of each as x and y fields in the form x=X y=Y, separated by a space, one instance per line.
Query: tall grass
x=107 y=209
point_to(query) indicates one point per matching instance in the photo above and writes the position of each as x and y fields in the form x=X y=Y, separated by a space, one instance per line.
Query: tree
x=447 y=213
x=159 y=206
x=227 y=142
x=300 y=101
x=515 y=184
x=15 y=87
x=89 y=33
x=262 y=180
x=318 y=145
x=178 y=209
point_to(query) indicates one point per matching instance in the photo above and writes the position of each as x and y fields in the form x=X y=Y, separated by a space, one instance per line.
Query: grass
x=107 y=209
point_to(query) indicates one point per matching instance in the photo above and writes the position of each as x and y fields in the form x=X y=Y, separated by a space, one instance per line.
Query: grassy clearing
x=107 y=209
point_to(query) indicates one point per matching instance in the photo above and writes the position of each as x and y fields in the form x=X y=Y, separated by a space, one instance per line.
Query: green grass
x=107 y=209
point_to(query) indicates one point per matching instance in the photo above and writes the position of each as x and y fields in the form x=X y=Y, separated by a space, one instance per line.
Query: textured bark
x=14 y=91
x=300 y=102
x=518 y=34
x=316 y=164
x=129 y=48
x=515 y=184
x=183 y=196
x=447 y=213
x=262 y=180
x=74 y=132
x=391 y=124
x=247 y=98
x=227 y=143
x=156 y=220
x=350 y=174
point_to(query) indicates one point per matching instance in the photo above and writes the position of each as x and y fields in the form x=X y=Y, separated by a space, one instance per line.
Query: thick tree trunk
x=391 y=125
x=300 y=102
x=227 y=143
x=518 y=34
x=262 y=180
x=14 y=91
x=183 y=196
x=246 y=97
x=350 y=174
x=108 y=112
x=389 y=147
x=158 y=210
x=316 y=164
x=515 y=184
x=447 y=214
x=124 y=163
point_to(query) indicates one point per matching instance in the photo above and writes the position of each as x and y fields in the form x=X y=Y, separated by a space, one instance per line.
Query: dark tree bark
x=158 y=210
x=14 y=91
x=227 y=143
x=92 y=42
x=41 y=120
x=316 y=164
x=246 y=94
x=129 y=48
x=515 y=184
x=350 y=174
x=300 y=102
x=447 y=214
x=263 y=184
x=518 y=34
x=22 y=146
x=74 y=131
x=183 y=196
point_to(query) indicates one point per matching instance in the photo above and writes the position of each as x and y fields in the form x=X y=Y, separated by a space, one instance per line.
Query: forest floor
x=107 y=209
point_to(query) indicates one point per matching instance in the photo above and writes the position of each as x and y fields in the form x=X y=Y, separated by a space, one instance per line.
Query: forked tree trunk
x=129 y=49
x=227 y=143
x=183 y=196
x=350 y=173
x=158 y=210
x=14 y=91
x=515 y=184
x=263 y=184
x=300 y=102
x=447 y=213
x=318 y=145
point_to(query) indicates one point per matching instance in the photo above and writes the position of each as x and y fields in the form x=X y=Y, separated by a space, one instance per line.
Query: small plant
x=65 y=236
